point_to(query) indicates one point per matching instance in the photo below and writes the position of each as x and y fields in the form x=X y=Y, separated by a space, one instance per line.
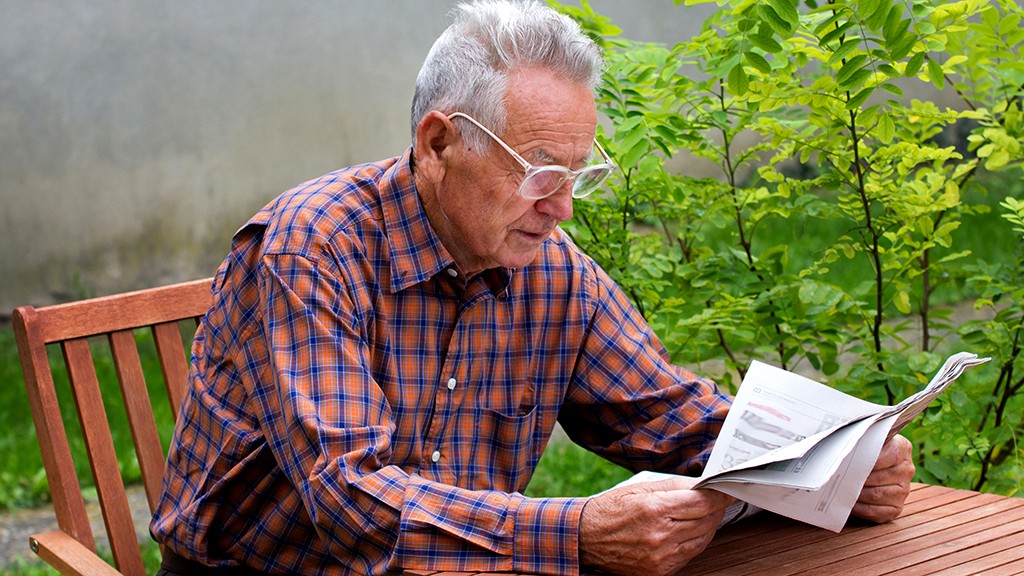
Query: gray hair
x=468 y=66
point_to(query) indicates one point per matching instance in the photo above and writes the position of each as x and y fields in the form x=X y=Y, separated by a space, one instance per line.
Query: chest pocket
x=506 y=450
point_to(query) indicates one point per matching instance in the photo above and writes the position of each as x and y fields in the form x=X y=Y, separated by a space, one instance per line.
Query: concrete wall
x=137 y=135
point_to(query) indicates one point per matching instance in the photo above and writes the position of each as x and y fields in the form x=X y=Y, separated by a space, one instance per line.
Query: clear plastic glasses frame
x=543 y=181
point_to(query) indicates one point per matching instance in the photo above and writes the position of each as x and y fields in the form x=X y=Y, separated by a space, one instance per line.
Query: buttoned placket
x=452 y=387
x=446 y=400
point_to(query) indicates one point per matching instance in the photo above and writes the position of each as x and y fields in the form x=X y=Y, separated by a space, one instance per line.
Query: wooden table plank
x=988 y=556
x=768 y=534
x=1012 y=568
x=942 y=532
x=808 y=547
x=949 y=539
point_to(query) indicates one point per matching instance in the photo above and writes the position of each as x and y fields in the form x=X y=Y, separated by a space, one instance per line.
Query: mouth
x=535 y=236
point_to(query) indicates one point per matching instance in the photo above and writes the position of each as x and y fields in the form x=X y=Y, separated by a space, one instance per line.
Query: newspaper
x=801 y=449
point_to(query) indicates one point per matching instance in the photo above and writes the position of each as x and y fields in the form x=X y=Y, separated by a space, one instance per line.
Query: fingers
x=897 y=451
x=673 y=483
x=881 y=503
x=895 y=465
x=650 y=528
x=887 y=487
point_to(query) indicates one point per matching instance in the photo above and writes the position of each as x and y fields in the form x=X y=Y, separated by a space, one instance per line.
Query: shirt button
x=451 y=383
x=452 y=272
x=435 y=456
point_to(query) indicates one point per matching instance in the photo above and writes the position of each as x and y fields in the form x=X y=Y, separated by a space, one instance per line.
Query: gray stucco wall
x=137 y=135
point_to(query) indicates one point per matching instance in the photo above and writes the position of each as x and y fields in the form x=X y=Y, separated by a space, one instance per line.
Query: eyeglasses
x=543 y=181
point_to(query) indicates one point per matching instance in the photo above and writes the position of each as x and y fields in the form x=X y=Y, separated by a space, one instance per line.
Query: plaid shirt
x=356 y=406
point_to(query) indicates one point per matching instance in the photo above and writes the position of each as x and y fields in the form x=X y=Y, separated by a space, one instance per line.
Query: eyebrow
x=541 y=157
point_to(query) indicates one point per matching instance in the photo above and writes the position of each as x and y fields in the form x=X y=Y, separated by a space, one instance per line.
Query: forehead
x=549 y=118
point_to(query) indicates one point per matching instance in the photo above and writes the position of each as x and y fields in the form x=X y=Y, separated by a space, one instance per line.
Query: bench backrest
x=71 y=326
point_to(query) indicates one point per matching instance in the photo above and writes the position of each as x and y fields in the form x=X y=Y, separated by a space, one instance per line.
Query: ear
x=435 y=141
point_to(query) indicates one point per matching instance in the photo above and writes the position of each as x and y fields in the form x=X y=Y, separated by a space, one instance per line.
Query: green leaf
x=902 y=47
x=892 y=20
x=772 y=18
x=786 y=9
x=856 y=79
x=835 y=34
x=738 y=81
x=766 y=43
x=851 y=66
x=886 y=128
x=844 y=50
x=997 y=160
x=828 y=23
x=859 y=98
x=898 y=33
x=879 y=15
x=758 y=61
x=936 y=74
x=892 y=89
x=914 y=65
x=867 y=7
x=902 y=302
x=1009 y=23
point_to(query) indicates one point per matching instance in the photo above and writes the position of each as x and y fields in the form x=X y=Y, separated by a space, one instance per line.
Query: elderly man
x=391 y=345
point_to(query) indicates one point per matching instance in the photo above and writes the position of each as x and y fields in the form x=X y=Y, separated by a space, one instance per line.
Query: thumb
x=665 y=485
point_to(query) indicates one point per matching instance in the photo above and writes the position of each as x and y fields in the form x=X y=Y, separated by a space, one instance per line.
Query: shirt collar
x=416 y=252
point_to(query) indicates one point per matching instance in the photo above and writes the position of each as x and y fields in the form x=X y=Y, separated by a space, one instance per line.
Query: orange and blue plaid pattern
x=356 y=407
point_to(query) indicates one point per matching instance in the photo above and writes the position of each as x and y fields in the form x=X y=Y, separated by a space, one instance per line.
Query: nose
x=559 y=204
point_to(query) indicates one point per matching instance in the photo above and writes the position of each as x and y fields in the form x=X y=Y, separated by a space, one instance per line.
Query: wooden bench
x=72 y=548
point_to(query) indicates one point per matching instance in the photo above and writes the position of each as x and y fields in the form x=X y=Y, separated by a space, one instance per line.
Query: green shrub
x=846 y=218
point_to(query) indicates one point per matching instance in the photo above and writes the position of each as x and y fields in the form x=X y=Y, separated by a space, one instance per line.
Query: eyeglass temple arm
x=522 y=161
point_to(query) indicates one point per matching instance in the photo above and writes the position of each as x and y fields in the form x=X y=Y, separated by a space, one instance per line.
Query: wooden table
x=942 y=531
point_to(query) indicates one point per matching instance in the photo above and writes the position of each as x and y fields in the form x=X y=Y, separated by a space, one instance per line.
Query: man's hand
x=888 y=485
x=651 y=528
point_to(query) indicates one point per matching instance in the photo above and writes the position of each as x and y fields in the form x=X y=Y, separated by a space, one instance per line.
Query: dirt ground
x=16 y=527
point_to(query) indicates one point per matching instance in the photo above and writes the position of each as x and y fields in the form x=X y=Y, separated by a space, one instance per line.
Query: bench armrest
x=69 y=556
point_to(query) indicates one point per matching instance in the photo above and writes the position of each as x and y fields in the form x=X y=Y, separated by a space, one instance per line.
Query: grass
x=23 y=479
x=566 y=470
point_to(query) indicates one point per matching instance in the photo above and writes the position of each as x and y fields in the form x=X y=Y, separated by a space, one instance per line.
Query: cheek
x=495 y=214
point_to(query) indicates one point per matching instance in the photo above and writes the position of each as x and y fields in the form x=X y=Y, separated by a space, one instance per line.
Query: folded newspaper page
x=802 y=449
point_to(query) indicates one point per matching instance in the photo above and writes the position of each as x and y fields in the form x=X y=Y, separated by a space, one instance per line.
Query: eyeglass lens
x=545 y=181
x=589 y=179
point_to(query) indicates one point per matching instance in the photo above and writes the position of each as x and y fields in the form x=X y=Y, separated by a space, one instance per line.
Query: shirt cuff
x=546 y=535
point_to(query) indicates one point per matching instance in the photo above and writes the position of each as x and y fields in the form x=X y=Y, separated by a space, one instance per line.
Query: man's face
x=488 y=223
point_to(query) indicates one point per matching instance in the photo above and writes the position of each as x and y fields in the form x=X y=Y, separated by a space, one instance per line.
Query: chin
x=521 y=260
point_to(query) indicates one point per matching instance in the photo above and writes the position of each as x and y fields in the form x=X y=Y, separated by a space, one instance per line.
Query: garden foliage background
x=846 y=224
x=847 y=221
